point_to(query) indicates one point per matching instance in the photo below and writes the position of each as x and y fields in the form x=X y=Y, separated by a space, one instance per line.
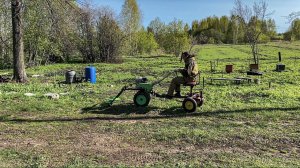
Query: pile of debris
x=3 y=79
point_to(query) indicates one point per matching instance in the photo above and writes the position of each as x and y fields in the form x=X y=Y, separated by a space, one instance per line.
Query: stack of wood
x=3 y=79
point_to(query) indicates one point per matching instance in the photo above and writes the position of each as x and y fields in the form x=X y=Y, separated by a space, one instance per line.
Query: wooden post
x=214 y=66
x=279 y=56
x=295 y=62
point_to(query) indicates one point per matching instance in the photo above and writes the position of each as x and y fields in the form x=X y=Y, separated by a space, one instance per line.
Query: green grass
x=247 y=125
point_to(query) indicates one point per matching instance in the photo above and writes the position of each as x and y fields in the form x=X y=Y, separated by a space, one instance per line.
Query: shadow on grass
x=118 y=109
x=113 y=114
x=157 y=56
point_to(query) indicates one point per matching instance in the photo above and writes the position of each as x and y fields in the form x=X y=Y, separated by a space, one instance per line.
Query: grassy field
x=242 y=125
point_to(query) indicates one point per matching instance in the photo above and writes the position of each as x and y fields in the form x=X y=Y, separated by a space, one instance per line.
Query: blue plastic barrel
x=90 y=74
x=87 y=73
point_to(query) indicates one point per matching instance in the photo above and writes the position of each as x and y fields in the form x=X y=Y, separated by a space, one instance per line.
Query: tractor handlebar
x=163 y=78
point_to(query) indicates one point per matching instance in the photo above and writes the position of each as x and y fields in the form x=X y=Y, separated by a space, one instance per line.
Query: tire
x=189 y=105
x=141 y=99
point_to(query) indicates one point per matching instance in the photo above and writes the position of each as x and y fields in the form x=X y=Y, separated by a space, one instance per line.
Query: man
x=189 y=73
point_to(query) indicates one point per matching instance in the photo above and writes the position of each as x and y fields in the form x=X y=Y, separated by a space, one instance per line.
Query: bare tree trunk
x=90 y=45
x=89 y=37
x=254 y=52
x=18 y=47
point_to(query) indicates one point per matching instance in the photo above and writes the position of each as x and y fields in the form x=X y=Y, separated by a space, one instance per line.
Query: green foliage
x=57 y=31
x=6 y=35
x=288 y=36
x=295 y=29
x=175 y=39
x=86 y=34
x=229 y=30
x=130 y=23
x=48 y=33
x=264 y=39
x=146 y=42
x=211 y=40
x=131 y=16
x=271 y=28
x=172 y=38
x=109 y=37
x=158 y=28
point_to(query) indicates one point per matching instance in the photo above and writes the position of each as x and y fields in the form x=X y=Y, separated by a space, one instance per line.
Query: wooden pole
x=279 y=56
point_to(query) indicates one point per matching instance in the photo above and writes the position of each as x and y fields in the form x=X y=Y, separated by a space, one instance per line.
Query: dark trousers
x=175 y=84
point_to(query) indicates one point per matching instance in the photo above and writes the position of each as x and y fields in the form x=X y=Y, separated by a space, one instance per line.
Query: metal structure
x=144 y=92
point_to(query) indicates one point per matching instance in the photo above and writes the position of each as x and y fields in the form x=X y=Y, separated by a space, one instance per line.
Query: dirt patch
x=21 y=143
x=107 y=144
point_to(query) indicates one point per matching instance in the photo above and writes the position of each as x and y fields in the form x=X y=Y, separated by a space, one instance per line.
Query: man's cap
x=184 y=55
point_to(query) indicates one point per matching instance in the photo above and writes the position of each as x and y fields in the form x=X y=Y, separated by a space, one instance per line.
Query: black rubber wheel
x=189 y=105
x=141 y=99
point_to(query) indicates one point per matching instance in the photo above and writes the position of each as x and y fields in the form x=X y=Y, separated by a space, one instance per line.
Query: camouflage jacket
x=191 y=67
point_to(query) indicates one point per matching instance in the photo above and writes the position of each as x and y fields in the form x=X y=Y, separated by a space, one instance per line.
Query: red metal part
x=198 y=97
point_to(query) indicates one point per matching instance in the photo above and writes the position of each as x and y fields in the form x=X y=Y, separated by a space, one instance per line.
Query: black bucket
x=280 y=67
x=70 y=76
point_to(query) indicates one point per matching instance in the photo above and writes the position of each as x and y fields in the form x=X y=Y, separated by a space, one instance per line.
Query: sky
x=189 y=10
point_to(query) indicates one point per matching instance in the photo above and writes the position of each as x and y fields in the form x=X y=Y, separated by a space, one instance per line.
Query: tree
x=5 y=35
x=146 y=42
x=109 y=36
x=87 y=33
x=293 y=16
x=288 y=36
x=19 y=74
x=195 y=27
x=131 y=23
x=63 y=15
x=295 y=29
x=50 y=31
x=53 y=31
x=235 y=34
x=224 y=22
x=271 y=28
x=250 y=19
x=176 y=39
x=158 y=28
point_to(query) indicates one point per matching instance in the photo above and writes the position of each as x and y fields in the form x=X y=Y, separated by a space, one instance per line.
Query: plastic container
x=253 y=67
x=280 y=67
x=90 y=74
x=229 y=68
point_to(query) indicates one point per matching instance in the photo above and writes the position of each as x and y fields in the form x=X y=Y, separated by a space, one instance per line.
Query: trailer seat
x=192 y=83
